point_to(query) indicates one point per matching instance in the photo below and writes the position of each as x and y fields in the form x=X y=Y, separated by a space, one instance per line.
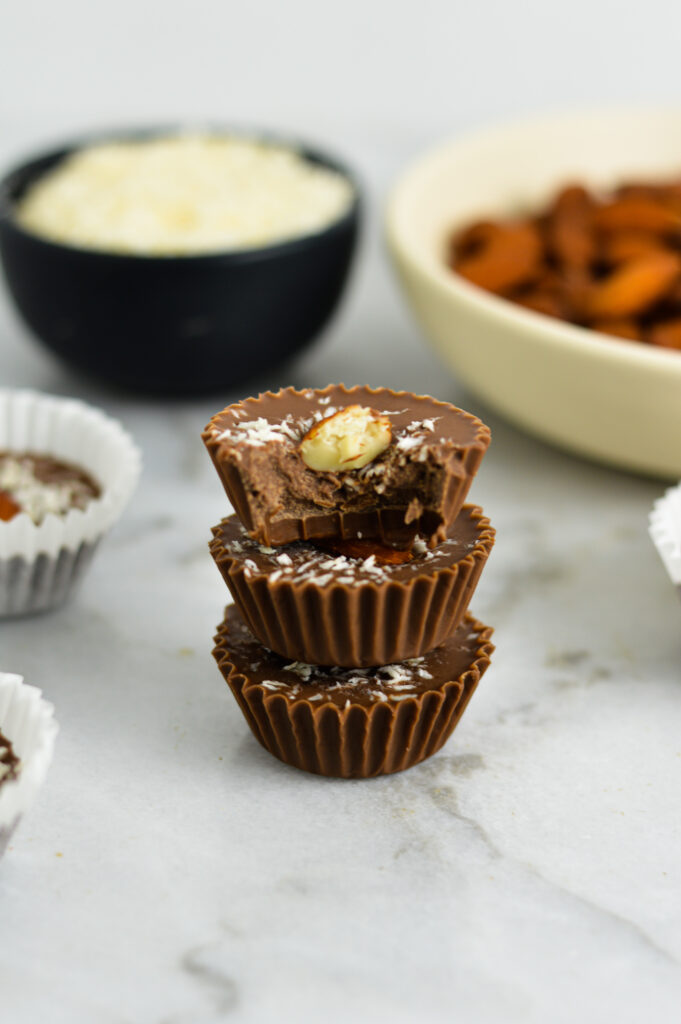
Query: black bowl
x=174 y=325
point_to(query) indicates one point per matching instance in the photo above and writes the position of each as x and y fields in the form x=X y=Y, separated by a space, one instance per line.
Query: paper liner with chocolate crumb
x=27 y=736
x=353 y=603
x=665 y=531
x=352 y=723
x=9 y=762
x=417 y=485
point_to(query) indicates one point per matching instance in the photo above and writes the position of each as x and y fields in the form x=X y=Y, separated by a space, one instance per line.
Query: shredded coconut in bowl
x=183 y=195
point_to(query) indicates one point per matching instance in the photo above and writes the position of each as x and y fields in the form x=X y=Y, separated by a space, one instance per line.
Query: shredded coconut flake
x=37 y=498
x=406 y=444
x=183 y=194
x=256 y=433
x=301 y=669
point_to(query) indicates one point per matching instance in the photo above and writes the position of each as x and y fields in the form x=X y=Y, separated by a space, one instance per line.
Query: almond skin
x=511 y=258
x=667 y=334
x=635 y=287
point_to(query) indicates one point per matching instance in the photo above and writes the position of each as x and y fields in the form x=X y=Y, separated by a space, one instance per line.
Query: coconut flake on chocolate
x=298 y=680
x=304 y=562
x=40 y=485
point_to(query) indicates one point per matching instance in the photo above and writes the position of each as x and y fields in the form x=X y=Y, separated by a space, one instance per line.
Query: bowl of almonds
x=543 y=262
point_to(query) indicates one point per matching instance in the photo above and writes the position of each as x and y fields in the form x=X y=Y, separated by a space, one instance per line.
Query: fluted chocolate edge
x=356 y=627
x=355 y=742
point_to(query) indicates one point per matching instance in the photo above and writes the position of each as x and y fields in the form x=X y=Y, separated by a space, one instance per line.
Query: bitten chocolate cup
x=348 y=723
x=328 y=608
x=417 y=484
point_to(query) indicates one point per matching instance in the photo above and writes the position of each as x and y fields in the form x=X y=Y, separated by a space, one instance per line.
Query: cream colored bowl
x=611 y=400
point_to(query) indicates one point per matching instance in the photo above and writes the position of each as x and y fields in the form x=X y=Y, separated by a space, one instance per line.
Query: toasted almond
x=637 y=213
x=569 y=228
x=621 y=246
x=624 y=328
x=541 y=300
x=575 y=294
x=666 y=193
x=667 y=334
x=473 y=238
x=511 y=258
x=634 y=287
x=349 y=439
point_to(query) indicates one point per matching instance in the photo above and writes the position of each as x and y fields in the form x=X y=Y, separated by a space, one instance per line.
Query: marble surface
x=172 y=872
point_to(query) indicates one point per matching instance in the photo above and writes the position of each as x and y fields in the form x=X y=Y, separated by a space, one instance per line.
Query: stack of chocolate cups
x=349 y=648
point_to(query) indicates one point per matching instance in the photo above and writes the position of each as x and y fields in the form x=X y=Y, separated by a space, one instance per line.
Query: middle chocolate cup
x=315 y=605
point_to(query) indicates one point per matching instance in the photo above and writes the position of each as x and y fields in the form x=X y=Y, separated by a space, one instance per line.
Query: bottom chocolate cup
x=352 y=723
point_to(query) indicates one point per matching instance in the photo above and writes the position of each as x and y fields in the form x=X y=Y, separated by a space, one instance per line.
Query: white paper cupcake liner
x=40 y=566
x=665 y=530
x=27 y=721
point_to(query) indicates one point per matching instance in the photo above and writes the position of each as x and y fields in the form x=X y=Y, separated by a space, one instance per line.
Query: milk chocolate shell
x=348 y=723
x=417 y=484
x=354 y=609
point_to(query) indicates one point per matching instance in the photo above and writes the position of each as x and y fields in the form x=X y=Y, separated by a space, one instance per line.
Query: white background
x=429 y=66
x=174 y=873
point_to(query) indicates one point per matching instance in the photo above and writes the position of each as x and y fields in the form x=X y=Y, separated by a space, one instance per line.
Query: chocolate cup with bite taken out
x=416 y=485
